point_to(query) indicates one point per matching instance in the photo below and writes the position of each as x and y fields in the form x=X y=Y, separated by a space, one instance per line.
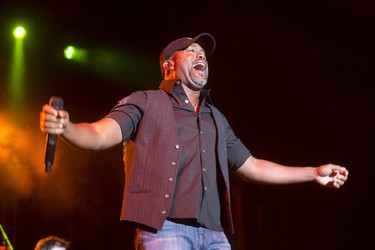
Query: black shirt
x=196 y=194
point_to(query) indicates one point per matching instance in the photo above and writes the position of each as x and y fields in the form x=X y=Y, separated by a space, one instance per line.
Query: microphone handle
x=57 y=103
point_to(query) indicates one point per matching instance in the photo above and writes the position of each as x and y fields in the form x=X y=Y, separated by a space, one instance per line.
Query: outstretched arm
x=263 y=171
x=98 y=135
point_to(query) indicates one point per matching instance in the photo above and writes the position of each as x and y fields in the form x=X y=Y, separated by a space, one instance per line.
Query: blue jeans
x=175 y=236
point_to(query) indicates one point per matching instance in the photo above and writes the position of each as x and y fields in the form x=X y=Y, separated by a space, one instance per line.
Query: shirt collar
x=168 y=86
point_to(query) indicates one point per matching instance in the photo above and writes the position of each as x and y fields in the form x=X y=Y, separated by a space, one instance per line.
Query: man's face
x=191 y=66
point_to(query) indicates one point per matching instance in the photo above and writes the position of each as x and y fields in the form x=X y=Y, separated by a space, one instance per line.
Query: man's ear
x=168 y=64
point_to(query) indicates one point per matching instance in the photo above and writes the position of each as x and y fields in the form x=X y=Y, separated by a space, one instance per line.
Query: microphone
x=56 y=103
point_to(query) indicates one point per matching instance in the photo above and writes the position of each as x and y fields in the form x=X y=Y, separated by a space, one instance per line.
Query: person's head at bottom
x=52 y=243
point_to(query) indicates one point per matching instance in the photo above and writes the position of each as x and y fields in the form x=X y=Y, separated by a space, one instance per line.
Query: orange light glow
x=19 y=155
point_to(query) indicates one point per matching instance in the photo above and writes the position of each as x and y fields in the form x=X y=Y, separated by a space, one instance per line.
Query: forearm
x=267 y=172
x=82 y=136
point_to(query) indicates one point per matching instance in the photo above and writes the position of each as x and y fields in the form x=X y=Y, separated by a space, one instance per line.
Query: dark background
x=294 y=79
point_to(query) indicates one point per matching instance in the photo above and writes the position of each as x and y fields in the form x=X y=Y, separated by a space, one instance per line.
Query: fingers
x=332 y=170
x=343 y=171
x=52 y=120
x=339 y=182
x=332 y=175
x=341 y=174
x=49 y=110
x=340 y=178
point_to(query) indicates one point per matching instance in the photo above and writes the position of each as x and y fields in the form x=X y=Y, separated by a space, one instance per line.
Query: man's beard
x=198 y=80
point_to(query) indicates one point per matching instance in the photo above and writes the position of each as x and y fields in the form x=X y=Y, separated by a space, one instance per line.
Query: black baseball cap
x=205 y=40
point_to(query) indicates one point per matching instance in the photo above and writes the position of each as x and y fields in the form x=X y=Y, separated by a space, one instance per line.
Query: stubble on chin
x=198 y=80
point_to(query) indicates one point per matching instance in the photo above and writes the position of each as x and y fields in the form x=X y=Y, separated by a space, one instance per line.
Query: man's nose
x=201 y=56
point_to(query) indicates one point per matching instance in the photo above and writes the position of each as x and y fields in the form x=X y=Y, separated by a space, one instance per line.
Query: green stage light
x=69 y=52
x=75 y=54
x=19 y=32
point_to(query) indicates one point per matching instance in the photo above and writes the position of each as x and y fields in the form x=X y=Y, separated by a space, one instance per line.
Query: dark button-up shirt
x=196 y=193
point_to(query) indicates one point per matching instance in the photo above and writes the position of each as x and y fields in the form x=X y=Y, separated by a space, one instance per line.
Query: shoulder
x=137 y=95
x=140 y=98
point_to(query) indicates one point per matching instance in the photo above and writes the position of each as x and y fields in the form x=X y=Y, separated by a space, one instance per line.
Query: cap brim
x=207 y=42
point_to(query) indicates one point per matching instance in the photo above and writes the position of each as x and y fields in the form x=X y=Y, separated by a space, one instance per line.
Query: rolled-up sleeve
x=237 y=152
x=237 y=155
x=128 y=112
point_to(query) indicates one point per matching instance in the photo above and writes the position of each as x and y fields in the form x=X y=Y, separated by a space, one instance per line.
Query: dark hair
x=51 y=241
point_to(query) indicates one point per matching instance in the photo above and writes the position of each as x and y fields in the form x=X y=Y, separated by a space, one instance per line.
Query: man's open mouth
x=199 y=66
